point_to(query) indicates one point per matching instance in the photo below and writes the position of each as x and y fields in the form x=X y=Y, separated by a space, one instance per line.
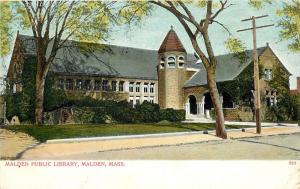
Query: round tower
x=171 y=71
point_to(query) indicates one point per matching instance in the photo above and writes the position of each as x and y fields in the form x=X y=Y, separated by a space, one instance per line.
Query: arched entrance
x=193 y=104
x=207 y=101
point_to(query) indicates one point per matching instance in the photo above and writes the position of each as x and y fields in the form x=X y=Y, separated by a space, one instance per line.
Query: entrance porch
x=198 y=109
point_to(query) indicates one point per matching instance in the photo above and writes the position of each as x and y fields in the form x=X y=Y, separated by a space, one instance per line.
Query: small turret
x=171 y=71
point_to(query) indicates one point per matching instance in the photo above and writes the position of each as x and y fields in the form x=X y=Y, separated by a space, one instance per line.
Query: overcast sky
x=152 y=31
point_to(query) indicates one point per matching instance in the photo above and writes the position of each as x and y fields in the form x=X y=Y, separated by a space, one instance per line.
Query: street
x=277 y=147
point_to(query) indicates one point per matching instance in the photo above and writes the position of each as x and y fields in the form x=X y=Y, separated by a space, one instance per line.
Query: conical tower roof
x=171 y=43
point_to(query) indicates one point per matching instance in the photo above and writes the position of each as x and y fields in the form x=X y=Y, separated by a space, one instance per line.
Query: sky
x=151 y=32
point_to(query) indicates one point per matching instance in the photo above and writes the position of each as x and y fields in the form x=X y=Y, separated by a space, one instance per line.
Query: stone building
x=170 y=76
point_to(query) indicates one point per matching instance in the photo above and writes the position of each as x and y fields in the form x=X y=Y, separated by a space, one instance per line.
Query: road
x=263 y=148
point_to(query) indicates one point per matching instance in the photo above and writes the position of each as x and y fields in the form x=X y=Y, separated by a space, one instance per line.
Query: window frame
x=121 y=86
x=105 y=85
x=131 y=87
x=152 y=87
x=173 y=62
x=114 y=85
x=69 y=86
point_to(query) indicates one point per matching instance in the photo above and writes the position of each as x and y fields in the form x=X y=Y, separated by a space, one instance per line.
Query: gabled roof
x=100 y=60
x=228 y=68
x=171 y=43
x=127 y=62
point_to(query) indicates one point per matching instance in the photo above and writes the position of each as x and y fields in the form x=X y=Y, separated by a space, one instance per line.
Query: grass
x=43 y=133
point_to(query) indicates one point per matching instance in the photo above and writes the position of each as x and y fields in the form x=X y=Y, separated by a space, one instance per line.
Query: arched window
x=181 y=61
x=171 y=62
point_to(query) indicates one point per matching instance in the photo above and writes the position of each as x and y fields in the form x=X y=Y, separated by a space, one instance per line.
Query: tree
x=290 y=24
x=54 y=22
x=289 y=21
x=194 y=28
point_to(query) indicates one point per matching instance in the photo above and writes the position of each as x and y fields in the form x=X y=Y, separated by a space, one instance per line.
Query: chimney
x=267 y=44
x=298 y=84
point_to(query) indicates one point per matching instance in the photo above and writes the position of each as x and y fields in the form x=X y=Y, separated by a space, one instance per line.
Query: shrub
x=172 y=115
x=149 y=112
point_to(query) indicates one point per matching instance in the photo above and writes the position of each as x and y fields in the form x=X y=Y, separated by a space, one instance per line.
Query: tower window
x=162 y=65
x=181 y=65
x=181 y=59
x=171 y=62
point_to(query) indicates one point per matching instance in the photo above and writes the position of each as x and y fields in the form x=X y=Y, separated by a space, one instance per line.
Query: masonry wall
x=170 y=82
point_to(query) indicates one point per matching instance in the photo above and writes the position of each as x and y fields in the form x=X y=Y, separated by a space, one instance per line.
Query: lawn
x=43 y=133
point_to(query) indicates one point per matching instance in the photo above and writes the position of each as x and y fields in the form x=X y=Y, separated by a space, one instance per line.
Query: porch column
x=187 y=109
x=201 y=108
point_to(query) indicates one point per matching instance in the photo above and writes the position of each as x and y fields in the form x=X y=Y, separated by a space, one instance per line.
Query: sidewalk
x=56 y=148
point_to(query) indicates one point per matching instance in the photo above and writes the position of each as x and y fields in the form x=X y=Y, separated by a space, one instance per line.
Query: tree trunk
x=39 y=100
x=214 y=94
x=39 y=90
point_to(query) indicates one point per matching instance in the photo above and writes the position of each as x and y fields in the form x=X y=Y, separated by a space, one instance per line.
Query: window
x=145 y=87
x=97 y=85
x=162 y=63
x=268 y=74
x=152 y=88
x=146 y=98
x=137 y=87
x=69 y=84
x=78 y=84
x=114 y=86
x=87 y=85
x=121 y=85
x=171 y=62
x=131 y=102
x=271 y=101
x=131 y=85
x=137 y=100
x=61 y=84
x=152 y=99
x=105 y=85
x=180 y=59
x=181 y=65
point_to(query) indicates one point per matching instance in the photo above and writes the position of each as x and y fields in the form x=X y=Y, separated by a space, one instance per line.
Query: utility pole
x=256 y=68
